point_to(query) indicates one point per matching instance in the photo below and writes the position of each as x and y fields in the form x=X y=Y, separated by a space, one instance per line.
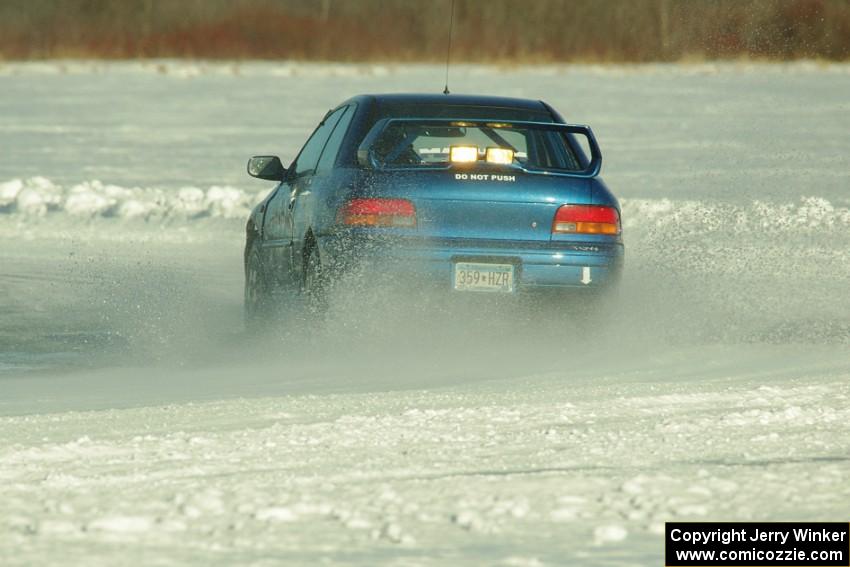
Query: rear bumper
x=539 y=266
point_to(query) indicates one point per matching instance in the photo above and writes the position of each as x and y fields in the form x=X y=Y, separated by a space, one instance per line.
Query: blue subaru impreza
x=471 y=194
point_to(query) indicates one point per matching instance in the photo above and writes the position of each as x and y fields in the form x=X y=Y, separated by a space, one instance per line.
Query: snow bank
x=39 y=196
x=809 y=214
x=188 y=69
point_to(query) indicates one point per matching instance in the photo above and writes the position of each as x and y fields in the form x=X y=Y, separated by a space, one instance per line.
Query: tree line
x=507 y=31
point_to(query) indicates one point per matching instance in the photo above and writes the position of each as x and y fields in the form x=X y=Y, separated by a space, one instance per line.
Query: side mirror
x=266 y=167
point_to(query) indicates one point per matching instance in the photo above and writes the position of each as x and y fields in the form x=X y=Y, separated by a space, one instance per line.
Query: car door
x=277 y=226
x=276 y=240
x=305 y=197
x=277 y=223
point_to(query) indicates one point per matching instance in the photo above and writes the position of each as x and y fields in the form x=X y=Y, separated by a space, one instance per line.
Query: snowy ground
x=141 y=426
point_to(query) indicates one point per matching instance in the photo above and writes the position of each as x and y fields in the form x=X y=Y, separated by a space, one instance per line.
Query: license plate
x=472 y=276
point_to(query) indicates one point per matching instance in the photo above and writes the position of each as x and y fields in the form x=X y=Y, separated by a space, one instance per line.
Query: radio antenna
x=449 y=50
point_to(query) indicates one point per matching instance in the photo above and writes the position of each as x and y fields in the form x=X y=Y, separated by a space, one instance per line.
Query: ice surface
x=142 y=426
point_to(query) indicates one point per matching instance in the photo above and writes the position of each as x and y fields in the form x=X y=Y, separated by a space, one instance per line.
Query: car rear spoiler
x=592 y=166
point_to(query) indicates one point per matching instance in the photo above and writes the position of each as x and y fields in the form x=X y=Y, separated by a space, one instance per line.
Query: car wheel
x=315 y=284
x=256 y=292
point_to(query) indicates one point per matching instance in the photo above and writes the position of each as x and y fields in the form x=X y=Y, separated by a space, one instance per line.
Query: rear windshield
x=405 y=144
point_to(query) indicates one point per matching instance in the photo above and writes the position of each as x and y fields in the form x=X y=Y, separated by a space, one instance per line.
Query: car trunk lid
x=483 y=204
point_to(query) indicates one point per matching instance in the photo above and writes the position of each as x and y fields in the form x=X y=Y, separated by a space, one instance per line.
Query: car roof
x=451 y=99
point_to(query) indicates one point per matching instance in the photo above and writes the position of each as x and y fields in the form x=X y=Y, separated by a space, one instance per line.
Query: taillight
x=378 y=212
x=586 y=219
